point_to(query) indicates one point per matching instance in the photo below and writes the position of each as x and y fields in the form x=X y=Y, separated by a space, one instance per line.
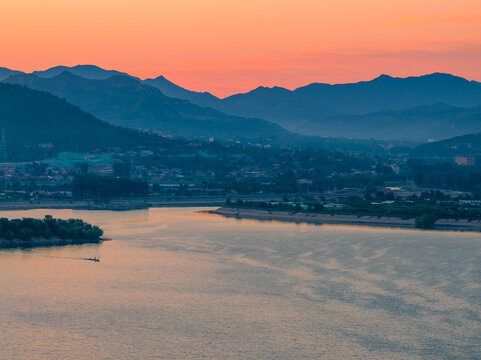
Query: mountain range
x=84 y=71
x=435 y=106
x=316 y=101
x=125 y=101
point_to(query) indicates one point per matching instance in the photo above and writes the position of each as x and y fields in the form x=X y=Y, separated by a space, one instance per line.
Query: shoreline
x=246 y=213
x=125 y=204
x=321 y=218
x=38 y=242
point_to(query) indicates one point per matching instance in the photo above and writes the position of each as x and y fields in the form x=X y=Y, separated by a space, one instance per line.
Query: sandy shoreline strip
x=317 y=218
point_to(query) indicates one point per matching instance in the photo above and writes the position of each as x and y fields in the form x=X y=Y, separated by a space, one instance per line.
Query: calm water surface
x=178 y=284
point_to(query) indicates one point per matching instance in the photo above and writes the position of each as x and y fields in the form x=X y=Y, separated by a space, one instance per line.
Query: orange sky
x=235 y=45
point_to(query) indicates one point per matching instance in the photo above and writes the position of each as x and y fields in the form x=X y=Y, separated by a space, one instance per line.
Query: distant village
x=200 y=172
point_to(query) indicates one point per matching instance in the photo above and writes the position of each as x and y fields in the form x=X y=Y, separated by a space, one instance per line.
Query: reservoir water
x=178 y=284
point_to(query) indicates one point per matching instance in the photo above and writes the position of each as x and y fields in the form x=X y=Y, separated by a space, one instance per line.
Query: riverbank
x=124 y=204
x=39 y=241
x=114 y=205
x=322 y=218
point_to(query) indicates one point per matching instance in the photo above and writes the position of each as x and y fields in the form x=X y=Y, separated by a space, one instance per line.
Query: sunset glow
x=231 y=46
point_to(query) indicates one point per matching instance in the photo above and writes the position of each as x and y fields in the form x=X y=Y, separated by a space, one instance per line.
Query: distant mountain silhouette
x=125 y=101
x=38 y=124
x=419 y=123
x=167 y=87
x=432 y=106
x=85 y=71
x=5 y=73
x=170 y=89
x=315 y=101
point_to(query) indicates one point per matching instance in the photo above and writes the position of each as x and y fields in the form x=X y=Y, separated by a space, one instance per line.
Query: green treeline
x=405 y=210
x=410 y=209
x=26 y=228
x=425 y=212
x=446 y=176
x=94 y=186
x=425 y=221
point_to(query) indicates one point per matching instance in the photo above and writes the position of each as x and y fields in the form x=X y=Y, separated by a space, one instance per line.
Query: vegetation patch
x=26 y=229
x=425 y=212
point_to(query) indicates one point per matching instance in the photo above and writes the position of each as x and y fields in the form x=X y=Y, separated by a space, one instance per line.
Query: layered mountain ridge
x=37 y=124
x=125 y=101
x=418 y=108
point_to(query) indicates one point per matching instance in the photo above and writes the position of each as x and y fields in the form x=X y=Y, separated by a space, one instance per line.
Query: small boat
x=93 y=259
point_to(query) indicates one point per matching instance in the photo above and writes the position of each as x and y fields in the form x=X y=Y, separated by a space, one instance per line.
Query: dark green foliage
x=26 y=228
x=93 y=186
x=25 y=234
x=47 y=234
x=425 y=221
x=402 y=209
x=121 y=169
x=445 y=175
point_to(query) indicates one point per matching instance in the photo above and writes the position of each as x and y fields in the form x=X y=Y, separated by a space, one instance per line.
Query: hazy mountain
x=460 y=145
x=167 y=87
x=5 y=73
x=170 y=89
x=85 y=71
x=293 y=108
x=125 y=101
x=38 y=124
x=420 y=123
x=416 y=109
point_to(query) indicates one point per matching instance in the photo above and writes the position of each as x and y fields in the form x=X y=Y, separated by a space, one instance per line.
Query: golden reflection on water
x=178 y=284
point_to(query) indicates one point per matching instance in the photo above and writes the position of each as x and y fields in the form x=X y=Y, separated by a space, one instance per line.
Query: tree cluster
x=26 y=228
x=361 y=207
x=93 y=186
x=446 y=175
x=425 y=221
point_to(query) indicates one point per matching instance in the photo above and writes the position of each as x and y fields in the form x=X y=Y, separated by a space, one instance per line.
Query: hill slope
x=125 y=101
x=33 y=119
x=5 y=73
x=465 y=145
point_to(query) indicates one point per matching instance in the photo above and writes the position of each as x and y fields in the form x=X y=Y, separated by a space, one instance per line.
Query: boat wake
x=92 y=258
